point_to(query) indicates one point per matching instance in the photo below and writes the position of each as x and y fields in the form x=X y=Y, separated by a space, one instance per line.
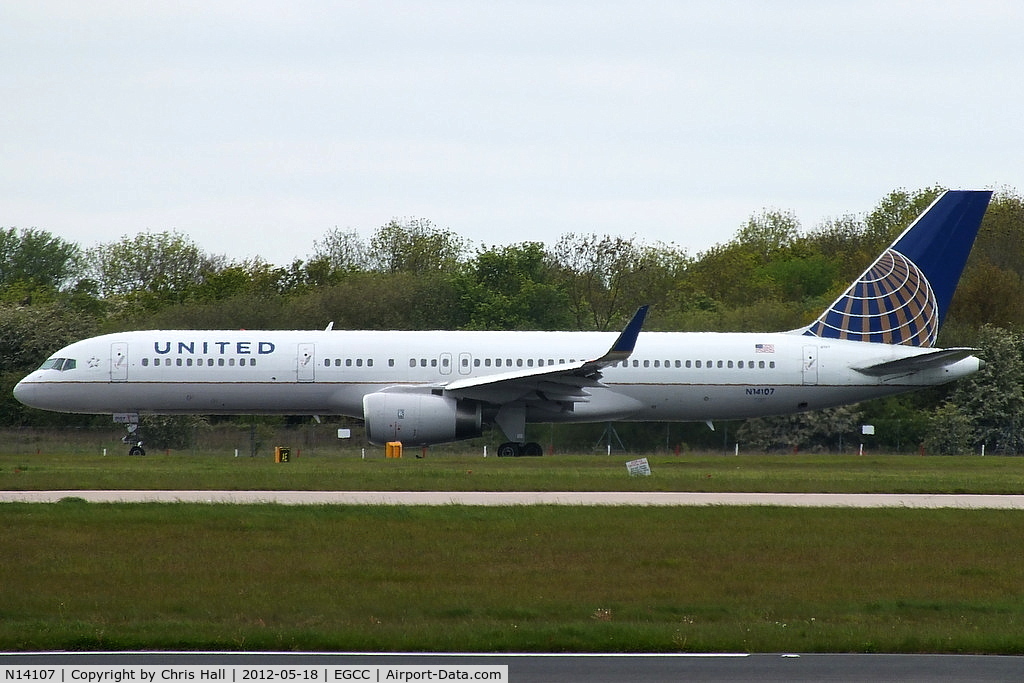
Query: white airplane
x=424 y=388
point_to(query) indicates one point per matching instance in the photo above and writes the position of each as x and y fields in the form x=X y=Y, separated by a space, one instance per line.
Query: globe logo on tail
x=891 y=303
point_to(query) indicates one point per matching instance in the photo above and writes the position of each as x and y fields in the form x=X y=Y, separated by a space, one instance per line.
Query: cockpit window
x=59 y=364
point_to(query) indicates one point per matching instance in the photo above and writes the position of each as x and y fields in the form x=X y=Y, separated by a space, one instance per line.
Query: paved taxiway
x=851 y=500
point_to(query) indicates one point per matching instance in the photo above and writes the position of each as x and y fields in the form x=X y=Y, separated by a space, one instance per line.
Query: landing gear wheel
x=133 y=439
x=532 y=449
x=509 y=450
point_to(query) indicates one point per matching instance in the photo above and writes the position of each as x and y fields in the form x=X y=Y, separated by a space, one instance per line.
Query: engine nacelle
x=419 y=419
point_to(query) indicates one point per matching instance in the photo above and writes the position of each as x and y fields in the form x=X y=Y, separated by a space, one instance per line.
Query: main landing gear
x=134 y=439
x=511 y=449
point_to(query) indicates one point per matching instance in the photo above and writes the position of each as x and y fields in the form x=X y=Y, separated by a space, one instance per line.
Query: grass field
x=785 y=473
x=85 y=576
x=90 y=576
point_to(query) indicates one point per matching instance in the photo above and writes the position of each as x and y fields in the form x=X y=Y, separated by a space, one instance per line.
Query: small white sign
x=867 y=429
x=126 y=418
x=639 y=468
x=344 y=433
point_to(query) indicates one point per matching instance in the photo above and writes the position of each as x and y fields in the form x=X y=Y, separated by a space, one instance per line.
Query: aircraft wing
x=562 y=382
x=924 y=361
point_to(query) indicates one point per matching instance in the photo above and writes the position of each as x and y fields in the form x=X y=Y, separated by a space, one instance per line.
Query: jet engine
x=419 y=419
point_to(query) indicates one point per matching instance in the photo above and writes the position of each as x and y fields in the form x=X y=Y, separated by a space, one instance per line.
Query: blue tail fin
x=903 y=297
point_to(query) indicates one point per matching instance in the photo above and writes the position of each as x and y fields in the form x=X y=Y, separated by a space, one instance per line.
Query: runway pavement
x=856 y=500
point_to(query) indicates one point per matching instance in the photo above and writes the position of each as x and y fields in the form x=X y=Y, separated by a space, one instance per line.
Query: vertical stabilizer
x=905 y=294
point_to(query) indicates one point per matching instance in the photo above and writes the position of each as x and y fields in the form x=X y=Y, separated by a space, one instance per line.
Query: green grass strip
x=551 y=579
x=776 y=473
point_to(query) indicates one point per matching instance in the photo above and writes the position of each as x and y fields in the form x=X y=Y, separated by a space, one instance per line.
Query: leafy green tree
x=987 y=293
x=379 y=301
x=162 y=432
x=950 y=431
x=414 y=246
x=749 y=267
x=34 y=261
x=607 y=278
x=342 y=251
x=769 y=234
x=894 y=214
x=1000 y=241
x=165 y=265
x=992 y=399
x=512 y=288
x=827 y=429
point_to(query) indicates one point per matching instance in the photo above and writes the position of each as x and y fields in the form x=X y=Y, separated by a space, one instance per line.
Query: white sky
x=256 y=127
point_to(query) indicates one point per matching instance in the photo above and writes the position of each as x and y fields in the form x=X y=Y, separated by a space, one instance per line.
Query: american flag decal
x=764 y=348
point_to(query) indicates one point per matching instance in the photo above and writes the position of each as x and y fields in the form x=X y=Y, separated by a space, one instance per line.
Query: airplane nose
x=27 y=393
x=21 y=391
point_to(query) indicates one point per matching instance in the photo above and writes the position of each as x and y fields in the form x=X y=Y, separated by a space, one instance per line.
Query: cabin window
x=730 y=364
x=145 y=362
x=529 y=362
x=412 y=362
x=359 y=362
x=391 y=362
x=231 y=362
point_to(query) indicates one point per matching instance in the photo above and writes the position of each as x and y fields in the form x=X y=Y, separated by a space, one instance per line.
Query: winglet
x=623 y=346
x=903 y=297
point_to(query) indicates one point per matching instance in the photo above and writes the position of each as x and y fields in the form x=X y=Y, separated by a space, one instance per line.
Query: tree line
x=411 y=274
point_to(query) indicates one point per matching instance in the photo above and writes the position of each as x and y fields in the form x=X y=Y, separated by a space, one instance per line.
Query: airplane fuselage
x=671 y=376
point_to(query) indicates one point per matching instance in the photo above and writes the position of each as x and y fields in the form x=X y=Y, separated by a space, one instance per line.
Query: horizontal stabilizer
x=923 y=361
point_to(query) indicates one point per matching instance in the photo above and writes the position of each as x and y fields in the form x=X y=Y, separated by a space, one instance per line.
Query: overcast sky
x=257 y=127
